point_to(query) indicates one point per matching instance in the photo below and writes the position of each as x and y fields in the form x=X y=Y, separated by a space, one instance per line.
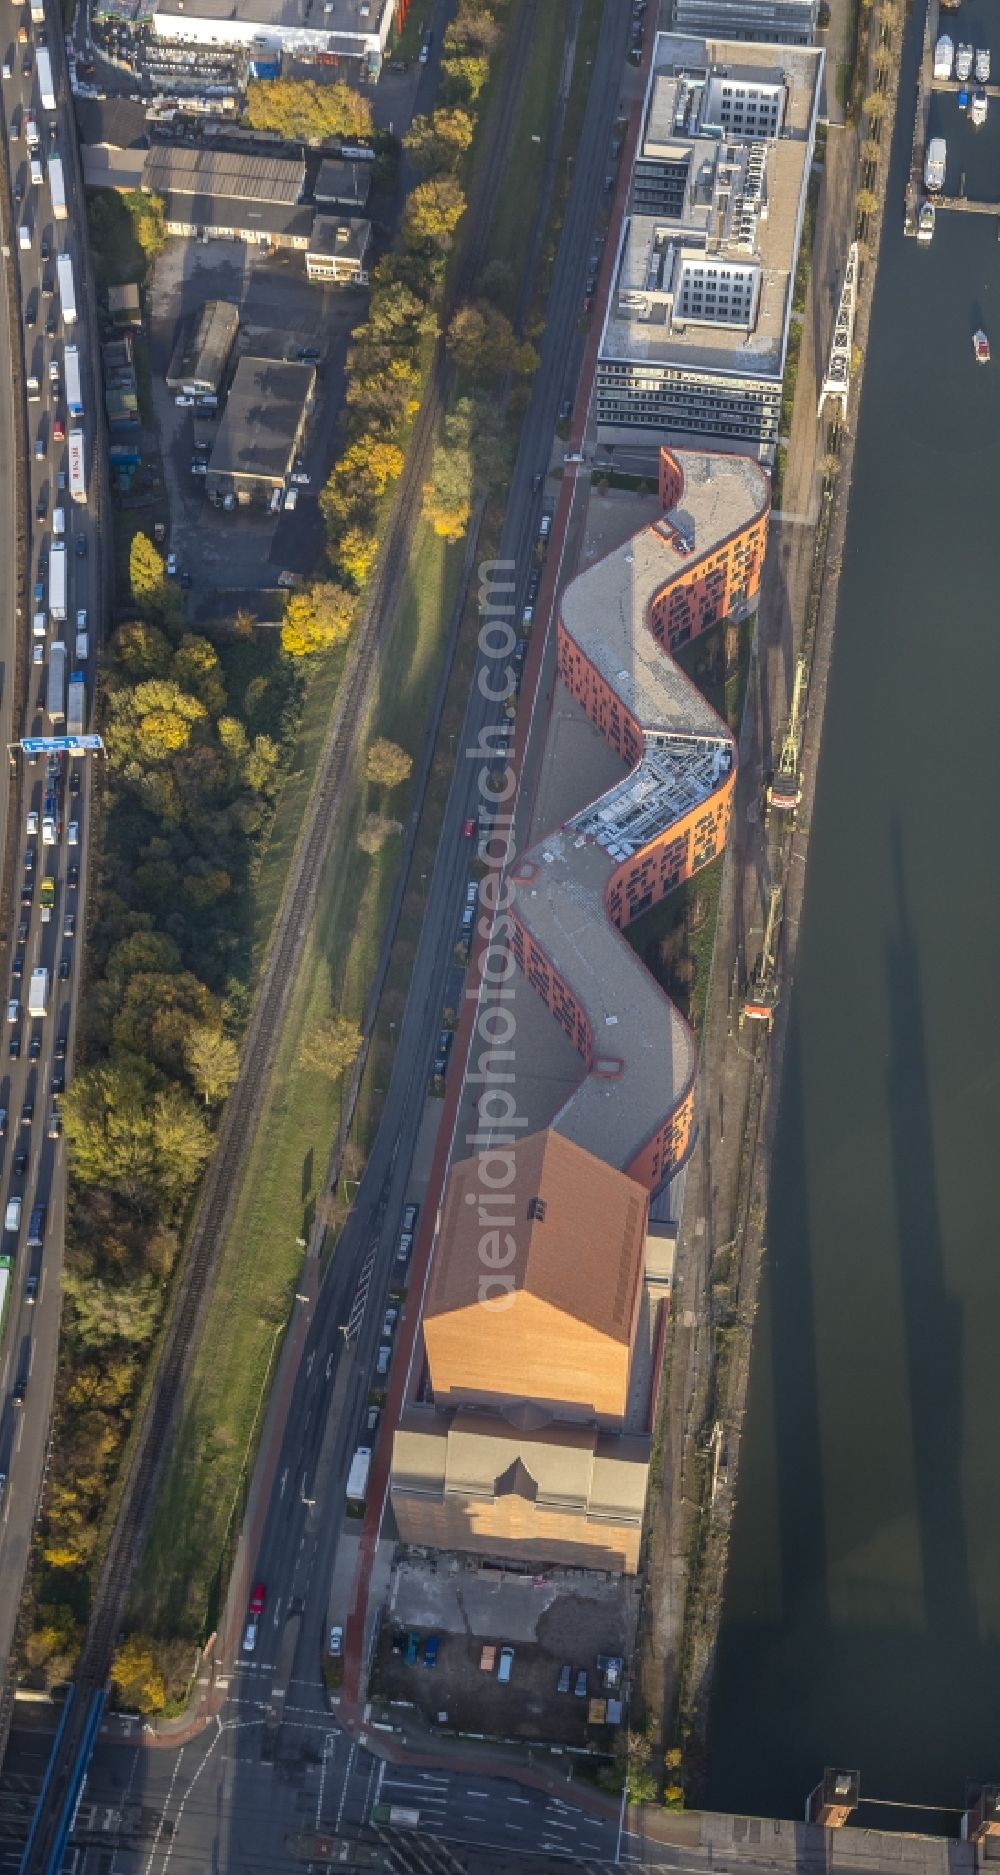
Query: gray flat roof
x=340 y=235
x=720 y=220
x=174 y=169
x=204 y=343
x=338 y=180
x=223 y=211
x=257 y=435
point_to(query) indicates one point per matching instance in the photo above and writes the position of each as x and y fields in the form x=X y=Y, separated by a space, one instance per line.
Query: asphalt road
x=30 y=1341
x=304 y=1522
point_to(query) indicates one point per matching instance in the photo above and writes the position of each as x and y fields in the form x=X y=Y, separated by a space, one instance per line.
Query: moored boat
x=981 y=347
x=925 y=222
x=983 y=65
x=963 y=63
x=977 y=109
x=934 y=164
x=944 y=56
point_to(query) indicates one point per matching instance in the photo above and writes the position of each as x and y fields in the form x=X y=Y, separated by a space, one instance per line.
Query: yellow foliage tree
x=387 y=764
x=440 y=141
x=357 y=553
x=330 y=1047
x=317 y=620
x=303 y=111
x=433 y=212
x=134 y=1673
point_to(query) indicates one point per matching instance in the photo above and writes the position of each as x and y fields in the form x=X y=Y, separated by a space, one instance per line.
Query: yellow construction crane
x=761 y=997
x=784 y=790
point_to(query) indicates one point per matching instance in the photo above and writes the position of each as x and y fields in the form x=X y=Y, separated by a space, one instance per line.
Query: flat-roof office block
x=696 y=331
x=786 y=22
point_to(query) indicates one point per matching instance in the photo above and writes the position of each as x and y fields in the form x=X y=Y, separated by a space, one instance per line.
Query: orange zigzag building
x=526 y=1442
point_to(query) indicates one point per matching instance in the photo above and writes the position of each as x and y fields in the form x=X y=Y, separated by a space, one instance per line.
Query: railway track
x=222 y=1182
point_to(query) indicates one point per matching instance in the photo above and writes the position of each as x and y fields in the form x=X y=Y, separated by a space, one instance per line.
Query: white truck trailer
x=76 y=705
x=47 y=96
x=74 y=392
x=67 y=290
x=55 y=696
x=57 y=188
x=57 y=582
x=77 y=466
x=38 y=992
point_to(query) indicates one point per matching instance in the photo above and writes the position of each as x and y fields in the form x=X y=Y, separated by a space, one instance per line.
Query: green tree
x=386 y=764
x=197 y=670
x=330 y=1047
x=213 y=1061
x=148 y=221
x=447 y=495
x=303 y=111
x=438 y=143
x=139 y=648
x=432 y=213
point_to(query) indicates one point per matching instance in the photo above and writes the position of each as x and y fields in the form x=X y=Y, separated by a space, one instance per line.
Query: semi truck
x=57 y=582
x=38 y=12
x=67 y=291
x=357 y=1479
x=77 y=466
x=57 y=188
x=71 y=366
x=5 y=1275
x=38 y=992
x=45 y=92
x=76 y=705
x=55 y=695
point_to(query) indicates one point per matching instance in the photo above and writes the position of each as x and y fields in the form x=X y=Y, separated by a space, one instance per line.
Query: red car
x=469 y=829
x=58 y=431
x=257 y=1599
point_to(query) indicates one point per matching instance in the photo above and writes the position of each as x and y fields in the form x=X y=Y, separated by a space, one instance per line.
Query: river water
x=862 y=1623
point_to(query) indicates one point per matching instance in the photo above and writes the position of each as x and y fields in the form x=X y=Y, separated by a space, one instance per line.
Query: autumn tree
x=134 y=1674
x=330 y=1047
x=304 y=112
x=447 y=495
x=376 y=829
x=317 y=620
x=432 y=213
x=386 y=764
x=147 y=570
x=465 y=76
x=213 y=1061
x=357 y=552
x=438 y=143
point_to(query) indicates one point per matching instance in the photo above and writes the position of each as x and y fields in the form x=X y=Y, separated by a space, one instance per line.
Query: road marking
x=517 y=1799
x=309 y=1363
x=284 y=1481
x=329 y=1365
x=477 y=1793
x=552 y=1822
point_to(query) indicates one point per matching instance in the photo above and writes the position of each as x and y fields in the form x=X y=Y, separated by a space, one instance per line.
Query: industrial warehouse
x=527 y=1432
x=696 y=332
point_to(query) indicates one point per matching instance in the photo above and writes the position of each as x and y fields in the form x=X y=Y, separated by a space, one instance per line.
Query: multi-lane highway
x=37 y=1053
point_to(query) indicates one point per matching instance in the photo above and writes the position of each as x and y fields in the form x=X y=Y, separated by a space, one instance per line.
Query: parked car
x=580 y=1689
x=431 y=1650
x=563 y=1682
x=257 y=1600
x=336 y=1641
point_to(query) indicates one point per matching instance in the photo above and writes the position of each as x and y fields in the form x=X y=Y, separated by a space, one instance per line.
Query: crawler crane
x=761 y=997
x=784 y=790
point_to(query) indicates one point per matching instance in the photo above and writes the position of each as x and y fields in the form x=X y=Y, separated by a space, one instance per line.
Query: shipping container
x=55 y=697
x=77 y=466
x=74 y=396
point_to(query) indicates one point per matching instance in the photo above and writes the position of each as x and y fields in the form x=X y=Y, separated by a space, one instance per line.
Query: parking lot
x=563 y=1619
x=281 y=313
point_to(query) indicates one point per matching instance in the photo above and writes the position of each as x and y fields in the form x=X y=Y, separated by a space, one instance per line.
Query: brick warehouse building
x=527 y=1441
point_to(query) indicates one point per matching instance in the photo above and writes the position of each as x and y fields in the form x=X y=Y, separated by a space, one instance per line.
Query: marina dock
x=927 y=84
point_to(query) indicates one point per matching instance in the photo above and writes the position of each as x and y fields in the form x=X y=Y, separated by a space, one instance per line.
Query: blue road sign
x=50 y=745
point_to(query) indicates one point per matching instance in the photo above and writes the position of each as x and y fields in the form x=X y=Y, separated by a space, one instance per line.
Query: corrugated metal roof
x=175 y=169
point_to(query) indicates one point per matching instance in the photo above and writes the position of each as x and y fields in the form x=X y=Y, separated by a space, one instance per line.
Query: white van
x=506 y=1665
x=39 y=625
x=24 y=235
x=382 y=1363
x=12 y=1215
x=58 y=522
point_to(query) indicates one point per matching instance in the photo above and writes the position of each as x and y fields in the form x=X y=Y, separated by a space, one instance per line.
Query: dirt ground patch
x=552 y=1622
